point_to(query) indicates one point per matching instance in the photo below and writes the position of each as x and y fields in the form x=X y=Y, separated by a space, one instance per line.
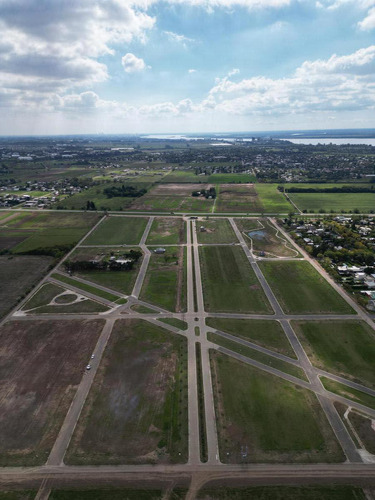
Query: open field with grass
x=118 y=231
x=177 y=176
x=41 y=365
x=348 y=392
x=109 y=494
x=178 y=323
x=136 y=411
x=266 y=333
x=346 y=348
x=120 y=281
x=238 y=198
x=229 y=282
x=167 y=231
x=85 y=287
x=165 y=280
x=215 y=231
x=282 y=493
x=264 y=240
x=173 y=198
x=271 y=200
x=18 y=275
x=17 y=495
x=364 y=202
x=250 y=417
x=365 y=429
x=299 y=288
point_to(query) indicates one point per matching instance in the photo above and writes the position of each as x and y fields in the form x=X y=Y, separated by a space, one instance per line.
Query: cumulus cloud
x=192 y=71
x=132 y=63
x=368 y=22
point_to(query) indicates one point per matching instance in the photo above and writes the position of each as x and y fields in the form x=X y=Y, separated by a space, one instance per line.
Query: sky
x=185 y=66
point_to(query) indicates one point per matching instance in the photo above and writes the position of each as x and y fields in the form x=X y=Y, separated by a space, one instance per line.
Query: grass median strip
x=178 y=323
x=348 y=392
x=278 y=364
x=86 y=287
x=201 y=408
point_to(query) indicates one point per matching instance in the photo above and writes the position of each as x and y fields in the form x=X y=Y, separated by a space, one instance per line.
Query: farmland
x=226 y=267
x=118 y=231
x=346 y=348
x=215 y=231
x=249 y=418
x=337 y=202
x=238 y=198
x=271 y=199
x=299 y=288
x=167 y=231
x=37 y=400
x=137 y=409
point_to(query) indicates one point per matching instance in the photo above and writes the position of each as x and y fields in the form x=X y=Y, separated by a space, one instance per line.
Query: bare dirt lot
x=41 y=365
x=18 y=275
x=136 y=411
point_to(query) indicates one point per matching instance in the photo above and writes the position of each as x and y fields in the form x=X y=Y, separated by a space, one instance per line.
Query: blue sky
x=134 y=66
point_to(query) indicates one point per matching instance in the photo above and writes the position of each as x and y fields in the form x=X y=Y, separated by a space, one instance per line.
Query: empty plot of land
x=136 y=411
x=300 y=289
x=167 y=231
x=262 y=418
x=41 y=365
x=365 y=429
x=364 y=202
x=272 y=200
x=165 y=280
x=346 y=348
x=174 y=198
x=118 y=231
x=238 y=198
x=266 y=333
x=110 y=494
x=18 y=274
x=229 y=282
x=215 y=231
x=264 y=239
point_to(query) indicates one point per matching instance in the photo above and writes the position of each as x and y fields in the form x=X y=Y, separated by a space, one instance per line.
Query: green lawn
x=165 y=281
x=364 y=202
x=300 y=289
x=43 y=296
x=348 y=392
x=229 y=282
x=346 y=348
x=136 y=411
x=119 y=281
x=167 y=231
x=268 y=419
x=216 y=231
x=86 y=287
x=266 y=333
x=118 y=231
x=178 y=323
x=271 y=199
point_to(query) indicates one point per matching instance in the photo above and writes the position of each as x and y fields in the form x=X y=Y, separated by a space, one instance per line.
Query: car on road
x=88 y=367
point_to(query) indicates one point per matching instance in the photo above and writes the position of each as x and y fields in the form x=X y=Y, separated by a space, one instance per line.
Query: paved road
x=146 y=259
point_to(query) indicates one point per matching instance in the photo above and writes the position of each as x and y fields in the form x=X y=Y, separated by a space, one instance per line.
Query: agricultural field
x=264 y=239
x=118 y=230
x=173 y=198
x=118 y=281
x=249 y=418
x=229 y=282
x=346 y=348
x=177 y=176
x=215 y=231
x=300 y=289
x=18 y=274
x=265 y=333
x=271 y=200
x=165 y=280
x=136 y=411
x=337 y=202
x=238 y=198
x=167 y=231
x=282 y=493
x=41 y=365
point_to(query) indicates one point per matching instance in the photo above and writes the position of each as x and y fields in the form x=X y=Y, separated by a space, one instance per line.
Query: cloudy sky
x=135 y=66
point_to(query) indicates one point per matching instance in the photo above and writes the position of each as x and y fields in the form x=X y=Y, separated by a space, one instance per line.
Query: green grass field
x=229 y=283
x=262 y=418
x=18 y=495
x=85 y=287
x=348 y=392
x=167 y=231
x=43 y=296
x=266 y=333
x=238 y=198
x=364 y=202
x=346 y=348
x=165 y=281
x=136 y=411
x=216 y=231
x=107 y=494
x=118 y=231
x=271 y=200
x=178 y=323
x=300 y=289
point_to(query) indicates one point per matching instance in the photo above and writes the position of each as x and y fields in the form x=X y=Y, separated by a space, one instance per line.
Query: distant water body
x=338 y=142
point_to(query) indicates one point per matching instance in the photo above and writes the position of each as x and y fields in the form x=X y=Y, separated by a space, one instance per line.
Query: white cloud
x=192 y=71
x=175 y=37
x=368 y=22
x=132 y=63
